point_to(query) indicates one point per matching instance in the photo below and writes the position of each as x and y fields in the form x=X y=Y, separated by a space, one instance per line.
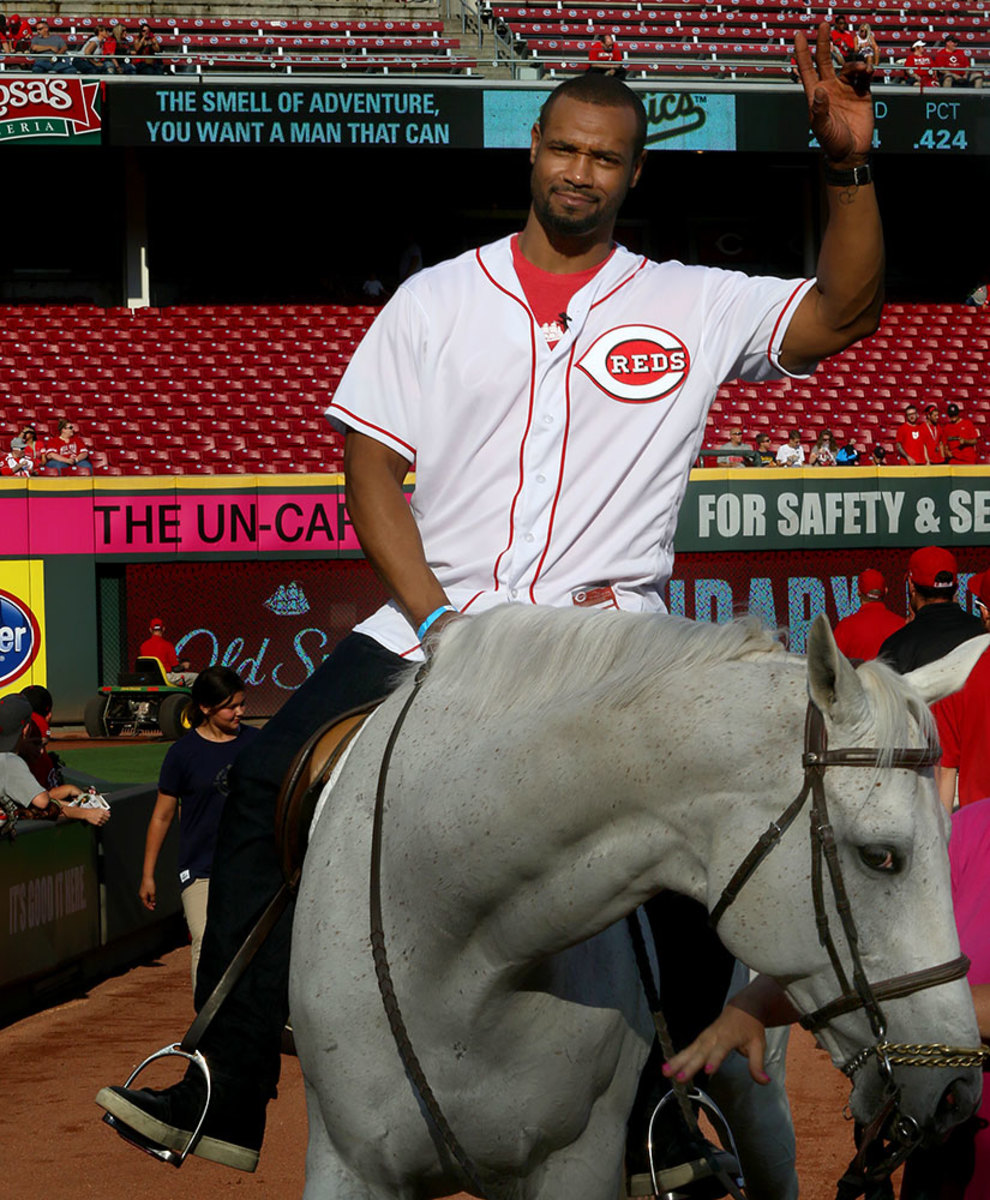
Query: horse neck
x=609 y=810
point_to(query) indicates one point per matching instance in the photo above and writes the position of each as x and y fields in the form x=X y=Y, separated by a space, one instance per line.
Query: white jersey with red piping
x=539 y=471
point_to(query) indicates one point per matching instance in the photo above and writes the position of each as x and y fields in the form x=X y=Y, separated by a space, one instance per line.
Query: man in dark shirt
x=939 y=623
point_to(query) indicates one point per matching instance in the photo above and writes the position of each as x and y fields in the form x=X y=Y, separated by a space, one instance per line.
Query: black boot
x=234 y=1125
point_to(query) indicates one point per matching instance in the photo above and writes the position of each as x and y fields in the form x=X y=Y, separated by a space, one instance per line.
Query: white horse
x=555 y=770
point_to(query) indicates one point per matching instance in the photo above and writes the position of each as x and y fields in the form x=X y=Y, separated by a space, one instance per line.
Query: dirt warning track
x=55 y=1146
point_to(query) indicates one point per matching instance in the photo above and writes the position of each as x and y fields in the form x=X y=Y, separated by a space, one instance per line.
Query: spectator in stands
x=939 y=624
x=862 y=633
x=45 y=767
x=50 y=52
x=959 y=436
x=763 y=449
x=913 y=440
x=373 y=288
x=20 y=794
x=847 y=456
x=606 y=57
x=843 y=40
x=866 y=48
x=825 y=451
x=934 y=426
x=791 y=453
x=954 y=66
x=195 y=772
x=878 y=456
x=735 y=443
x=67 y=450
x=919 y=65
x=19 y=34
x=26 y=442
x=963 y=721
x=147 y=48
x=4 y=40
x=977 y=298
x=90 y=59
x=157 y=645
x=25 y=456
x=125 y=48
x=936 y=451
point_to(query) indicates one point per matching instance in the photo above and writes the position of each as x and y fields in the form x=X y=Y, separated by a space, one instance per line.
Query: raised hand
x=840 y=106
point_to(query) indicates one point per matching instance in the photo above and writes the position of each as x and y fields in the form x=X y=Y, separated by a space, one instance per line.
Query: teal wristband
x=434 y=616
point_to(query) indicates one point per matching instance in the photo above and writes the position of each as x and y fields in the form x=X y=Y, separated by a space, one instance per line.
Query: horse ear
x=947 y=674
x=832 y=682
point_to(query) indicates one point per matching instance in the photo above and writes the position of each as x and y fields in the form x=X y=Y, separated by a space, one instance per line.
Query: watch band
x=852 y=176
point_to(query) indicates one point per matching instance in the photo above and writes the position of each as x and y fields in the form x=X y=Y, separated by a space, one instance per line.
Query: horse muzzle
x=919 y=1103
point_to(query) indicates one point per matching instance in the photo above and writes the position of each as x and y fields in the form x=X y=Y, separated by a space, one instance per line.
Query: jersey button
x=548 y=420
x=541 y=479
x=530 y=537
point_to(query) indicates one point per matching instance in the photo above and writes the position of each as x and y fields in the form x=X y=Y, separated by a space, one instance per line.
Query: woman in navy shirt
x=195 y=773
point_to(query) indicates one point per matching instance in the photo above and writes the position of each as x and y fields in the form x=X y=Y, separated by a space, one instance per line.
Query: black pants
x=695 y=972
x=245 y=1038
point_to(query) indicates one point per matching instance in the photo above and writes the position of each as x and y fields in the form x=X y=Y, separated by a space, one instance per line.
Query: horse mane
x=899 y=712
x=520 y=656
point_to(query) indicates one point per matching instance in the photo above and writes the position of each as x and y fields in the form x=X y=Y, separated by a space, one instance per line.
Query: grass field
x=114 y=764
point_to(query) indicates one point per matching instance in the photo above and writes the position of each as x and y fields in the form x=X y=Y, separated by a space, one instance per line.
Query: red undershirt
x=548 y=294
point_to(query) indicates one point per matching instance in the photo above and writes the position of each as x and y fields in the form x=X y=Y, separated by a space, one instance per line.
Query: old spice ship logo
x=45 y=108
x=637 y=364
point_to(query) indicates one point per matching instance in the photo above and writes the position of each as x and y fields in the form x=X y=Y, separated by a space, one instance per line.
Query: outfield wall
x=71 y=898
x=264 y=574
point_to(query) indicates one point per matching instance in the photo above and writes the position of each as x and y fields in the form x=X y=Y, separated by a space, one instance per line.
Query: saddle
x=301 y=788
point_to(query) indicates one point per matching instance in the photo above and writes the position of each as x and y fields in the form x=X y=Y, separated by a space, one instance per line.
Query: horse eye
x=881 y=858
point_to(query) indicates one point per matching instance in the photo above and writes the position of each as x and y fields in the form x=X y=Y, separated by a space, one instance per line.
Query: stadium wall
x=263 y=574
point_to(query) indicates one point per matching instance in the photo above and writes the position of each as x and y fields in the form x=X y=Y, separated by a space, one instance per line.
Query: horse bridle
x=861 y=993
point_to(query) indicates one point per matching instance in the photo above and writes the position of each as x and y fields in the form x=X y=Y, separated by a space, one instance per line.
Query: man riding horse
x=552 y=389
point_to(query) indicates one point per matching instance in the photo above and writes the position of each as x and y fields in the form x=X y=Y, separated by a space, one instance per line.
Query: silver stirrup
x=175 y=1157
x=665 y=1184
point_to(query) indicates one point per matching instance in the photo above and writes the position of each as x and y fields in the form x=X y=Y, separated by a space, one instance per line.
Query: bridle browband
x=861 y=993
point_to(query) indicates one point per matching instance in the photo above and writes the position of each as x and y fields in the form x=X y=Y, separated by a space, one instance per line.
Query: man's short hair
x=595 y=88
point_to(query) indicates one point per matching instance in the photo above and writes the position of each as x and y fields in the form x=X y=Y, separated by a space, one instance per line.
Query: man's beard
x=567 y=224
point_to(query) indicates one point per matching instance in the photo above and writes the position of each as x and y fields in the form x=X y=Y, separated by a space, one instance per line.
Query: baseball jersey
x=952 y=431
x=543 y=473
x=915 y=441
x=954 y=62
x=921 y=64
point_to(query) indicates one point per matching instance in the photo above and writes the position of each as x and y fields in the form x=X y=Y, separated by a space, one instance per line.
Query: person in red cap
x=959 y=436
x=939 y=624
x=862 y=633
x=156 y=645
x=963 y=721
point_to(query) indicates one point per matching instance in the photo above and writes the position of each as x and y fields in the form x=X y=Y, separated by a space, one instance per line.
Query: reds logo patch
x=637 y=364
